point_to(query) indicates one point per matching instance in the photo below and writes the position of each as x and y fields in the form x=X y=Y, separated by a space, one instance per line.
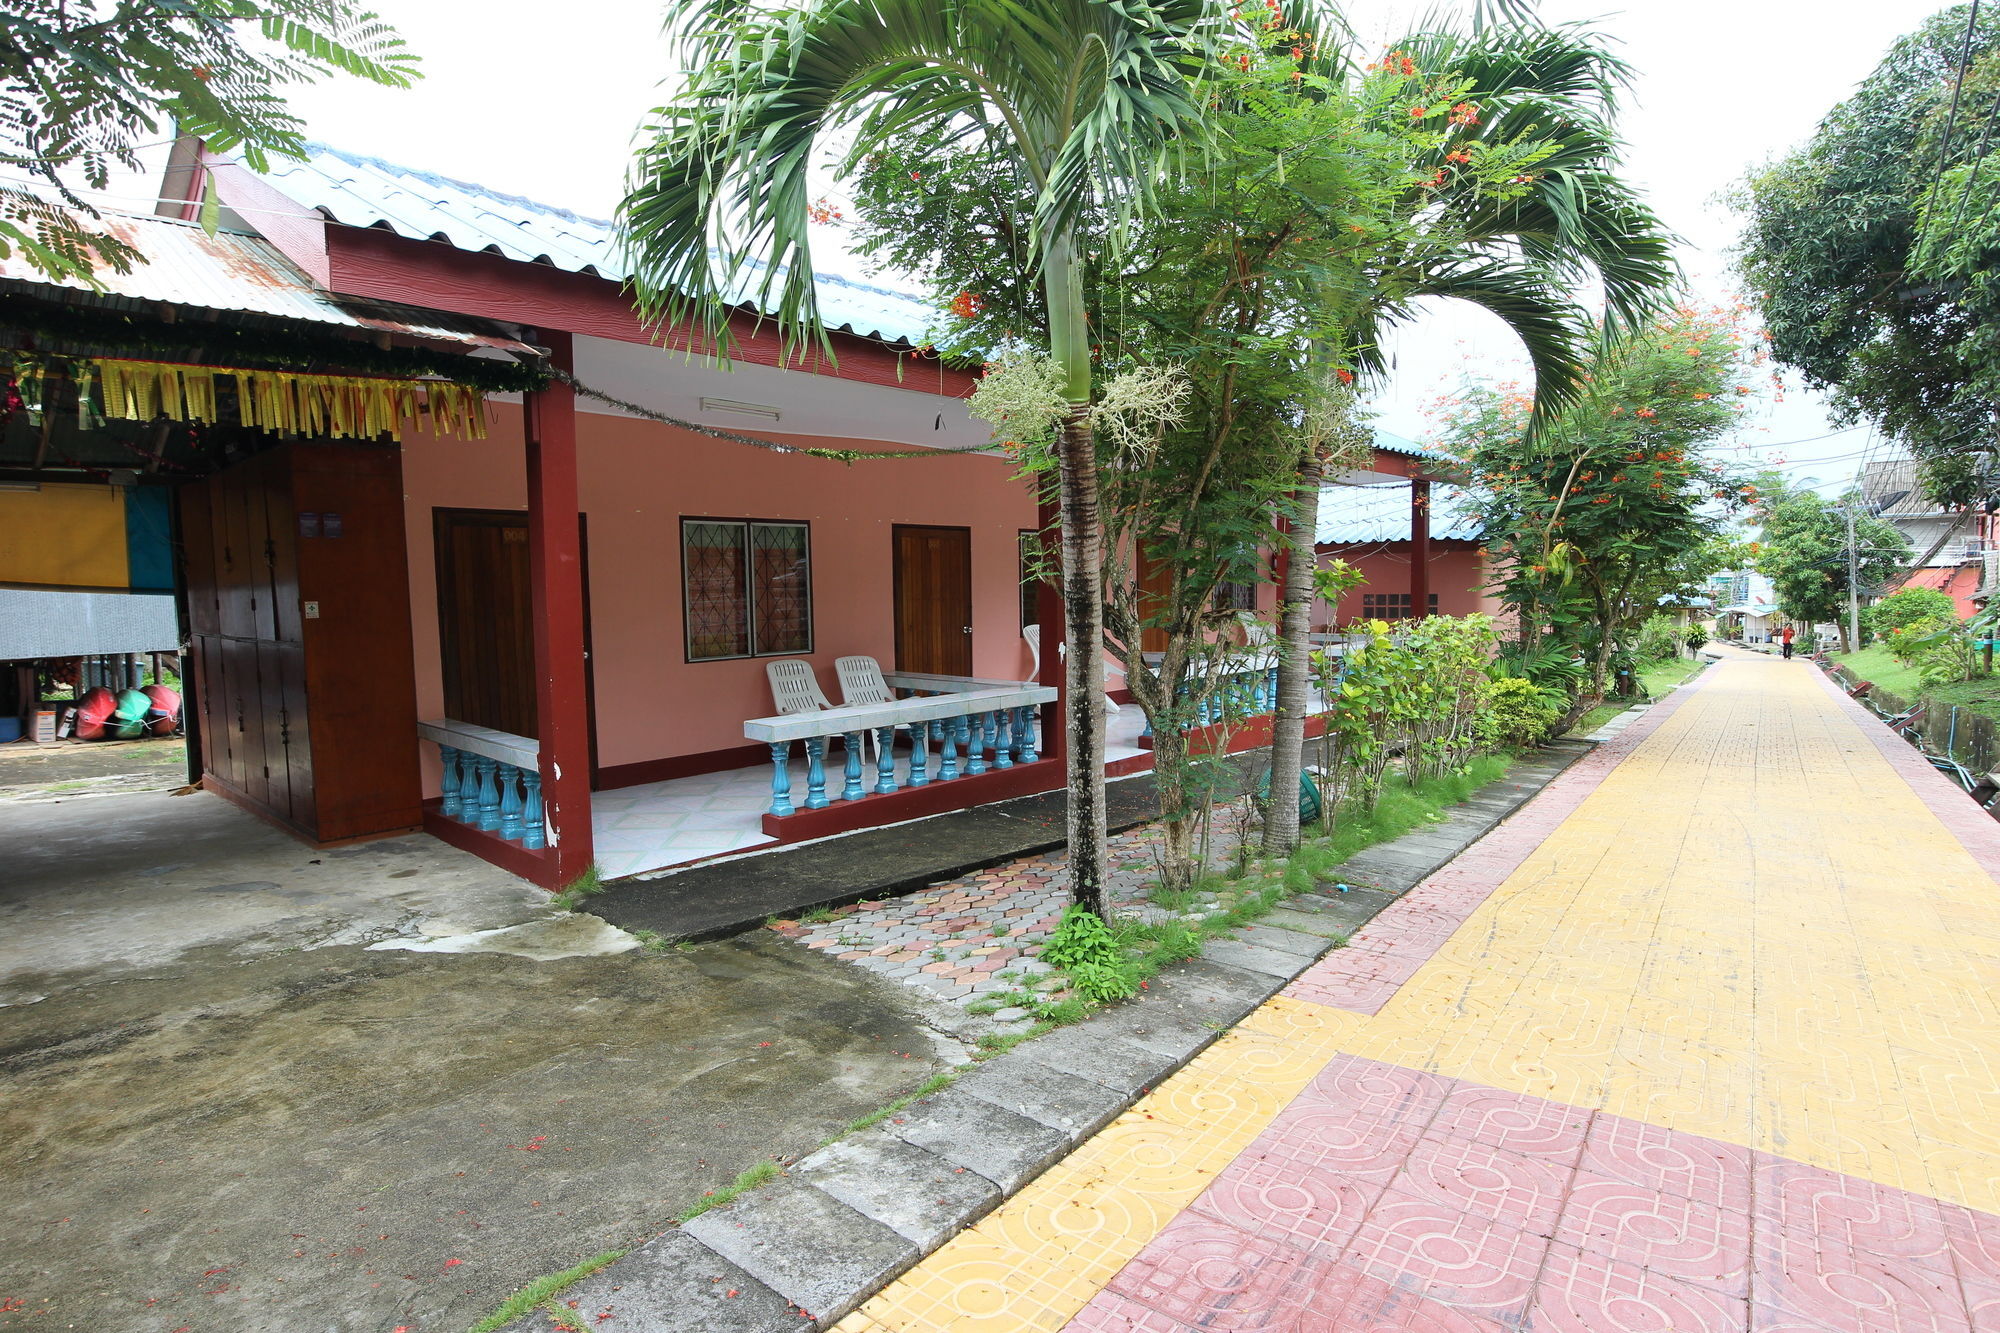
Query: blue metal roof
x=1391 y=443
x=369 y=192
x=1350 y=515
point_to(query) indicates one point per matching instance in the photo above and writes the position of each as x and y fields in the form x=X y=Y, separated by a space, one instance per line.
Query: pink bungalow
x=590 y=637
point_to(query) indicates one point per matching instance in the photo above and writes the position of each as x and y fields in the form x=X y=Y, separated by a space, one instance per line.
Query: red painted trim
x=962 y=793
x=680 y=766
x=366 y=261
x=555 y=574
x=537 y=867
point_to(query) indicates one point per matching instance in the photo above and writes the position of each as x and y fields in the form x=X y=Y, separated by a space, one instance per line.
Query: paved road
x=1704 y=1038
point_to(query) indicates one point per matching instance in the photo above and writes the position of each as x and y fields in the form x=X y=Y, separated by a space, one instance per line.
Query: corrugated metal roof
x=1392 y=443
x=240 y=274
x=1350 y=515
x=369 y=192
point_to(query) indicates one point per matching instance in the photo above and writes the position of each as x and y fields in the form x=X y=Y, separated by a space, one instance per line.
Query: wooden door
x=933 y=592
x=486 y=621
x=485 y=624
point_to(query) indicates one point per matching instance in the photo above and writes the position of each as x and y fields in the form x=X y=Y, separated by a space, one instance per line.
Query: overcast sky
x=541 y=99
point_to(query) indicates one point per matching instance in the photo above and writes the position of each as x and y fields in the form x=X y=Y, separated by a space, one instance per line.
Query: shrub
x=1900 y=609
x=1659 y=640
x=1516 y=714
x=1083 y=947
x=1694 y=638
x=1910 y=642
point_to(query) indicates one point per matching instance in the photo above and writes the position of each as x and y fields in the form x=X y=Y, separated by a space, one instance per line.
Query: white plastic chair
x=861 y=681
x=794 y=687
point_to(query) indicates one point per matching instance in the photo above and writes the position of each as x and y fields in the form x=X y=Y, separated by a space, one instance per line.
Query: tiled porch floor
x=671 y=823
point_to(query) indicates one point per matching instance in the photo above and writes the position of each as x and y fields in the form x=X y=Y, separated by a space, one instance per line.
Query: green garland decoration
x=121 y=333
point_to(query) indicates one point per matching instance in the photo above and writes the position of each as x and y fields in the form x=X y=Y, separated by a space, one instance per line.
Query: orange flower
x=967 y=305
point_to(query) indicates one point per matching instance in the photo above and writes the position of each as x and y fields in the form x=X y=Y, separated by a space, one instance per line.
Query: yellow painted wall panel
x=64 y=536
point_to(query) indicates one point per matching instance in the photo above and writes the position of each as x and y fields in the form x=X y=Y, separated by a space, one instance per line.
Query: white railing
x=492 y=780
x=981 y=718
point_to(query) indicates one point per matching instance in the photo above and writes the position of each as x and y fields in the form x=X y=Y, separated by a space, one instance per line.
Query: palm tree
x=1517 y=258
x=1086 y=96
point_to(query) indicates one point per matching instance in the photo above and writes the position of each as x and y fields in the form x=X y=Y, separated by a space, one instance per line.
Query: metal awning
x=239 y=274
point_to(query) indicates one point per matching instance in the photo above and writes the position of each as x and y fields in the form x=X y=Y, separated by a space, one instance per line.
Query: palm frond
x=1090 y=94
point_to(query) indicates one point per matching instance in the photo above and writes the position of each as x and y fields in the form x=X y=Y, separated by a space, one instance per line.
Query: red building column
x=1420 y=548
x=555 y=575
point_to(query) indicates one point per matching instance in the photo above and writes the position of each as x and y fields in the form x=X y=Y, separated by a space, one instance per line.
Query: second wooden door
x=933 y=591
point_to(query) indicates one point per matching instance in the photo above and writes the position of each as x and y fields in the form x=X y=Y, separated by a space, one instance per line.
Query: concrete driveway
x=221 y=1110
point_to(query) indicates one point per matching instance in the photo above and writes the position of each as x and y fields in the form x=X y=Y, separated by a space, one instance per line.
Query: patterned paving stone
x=1591 y=1078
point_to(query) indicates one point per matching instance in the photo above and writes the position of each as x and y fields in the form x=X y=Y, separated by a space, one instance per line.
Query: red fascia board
x=380 y=265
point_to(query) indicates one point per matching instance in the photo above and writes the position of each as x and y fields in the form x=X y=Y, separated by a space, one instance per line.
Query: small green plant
x=1517 y=714
x=652 y=941
x=1659 y=639
x=816 y=916
x=749 y=1180
x=543 y=1289
x=1087 y=951
x=588 y=884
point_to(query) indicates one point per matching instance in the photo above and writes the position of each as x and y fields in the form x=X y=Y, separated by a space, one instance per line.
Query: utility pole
x=1853 y=588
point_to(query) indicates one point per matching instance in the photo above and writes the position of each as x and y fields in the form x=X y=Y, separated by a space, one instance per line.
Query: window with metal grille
x=1236 y=597
x=1390 y=605
x=746 y=588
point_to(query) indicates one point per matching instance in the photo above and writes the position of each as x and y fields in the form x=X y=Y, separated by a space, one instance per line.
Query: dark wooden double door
x=933 y=599
x=299 y=618
x=486 y=636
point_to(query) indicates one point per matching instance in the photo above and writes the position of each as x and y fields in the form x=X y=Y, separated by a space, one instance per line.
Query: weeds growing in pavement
x=588 y=884
x=543 y=1289
x=749 y=1180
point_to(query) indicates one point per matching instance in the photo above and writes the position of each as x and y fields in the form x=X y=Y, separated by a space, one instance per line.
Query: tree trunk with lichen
x=1288 y=725
x=1083 y=669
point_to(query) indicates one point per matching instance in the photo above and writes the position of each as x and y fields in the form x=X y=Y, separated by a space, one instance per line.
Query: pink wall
x=1457 y=573
x=637 y=480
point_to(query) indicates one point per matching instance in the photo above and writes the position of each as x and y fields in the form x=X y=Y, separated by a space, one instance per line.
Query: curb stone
x=846 y=1220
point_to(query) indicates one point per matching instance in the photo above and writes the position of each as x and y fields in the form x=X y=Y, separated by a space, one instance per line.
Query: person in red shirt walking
x=1787 y=638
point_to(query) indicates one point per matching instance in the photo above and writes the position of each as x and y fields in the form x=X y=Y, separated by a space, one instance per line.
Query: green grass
x=1980 y=696
x=749 y=1180
x=583 y=886
x=1659 y=677
x=542 y=1289
x=1874 y=663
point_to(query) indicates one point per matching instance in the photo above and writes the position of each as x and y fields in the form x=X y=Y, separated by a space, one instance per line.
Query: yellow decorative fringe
x=341 y=406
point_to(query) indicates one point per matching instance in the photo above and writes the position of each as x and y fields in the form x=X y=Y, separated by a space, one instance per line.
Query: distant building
x=1950 y=543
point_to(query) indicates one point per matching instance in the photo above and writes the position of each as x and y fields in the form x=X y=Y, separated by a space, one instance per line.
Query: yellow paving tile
x=1752 y=929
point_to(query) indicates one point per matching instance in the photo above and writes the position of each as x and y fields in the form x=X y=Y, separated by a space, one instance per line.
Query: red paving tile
x=1798 y=1275
x=1452 y=1257
x=1580 y=1292
x=1508 y=1187
x=1214 y=1276
x=1876 y=1219
x=1683 y=1239
x=1522 y=1124
x=1383 y=1307
x=1304 y=1207
x=1673 y=1163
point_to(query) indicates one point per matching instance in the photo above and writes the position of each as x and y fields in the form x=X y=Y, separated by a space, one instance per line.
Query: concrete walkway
x=1707 y=1037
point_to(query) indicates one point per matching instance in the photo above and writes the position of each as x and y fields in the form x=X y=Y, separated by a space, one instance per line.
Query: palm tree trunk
x=1082 y=579
x=1288 y=727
